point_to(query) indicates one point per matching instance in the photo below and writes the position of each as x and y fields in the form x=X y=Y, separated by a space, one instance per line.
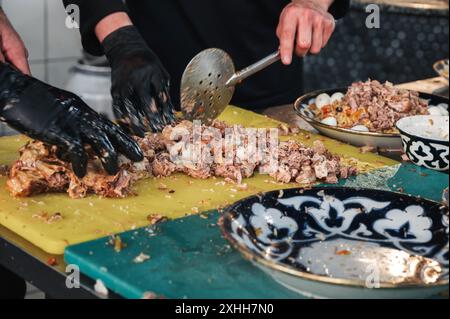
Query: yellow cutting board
x=94 y=217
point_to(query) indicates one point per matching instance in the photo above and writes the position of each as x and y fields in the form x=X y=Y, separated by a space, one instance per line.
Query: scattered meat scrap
x=100 y=288
x=343 y=252
x=49 y=219
x=141 y=258
x=4 y=170
x=39 y=170
x=367 y=149
x=151 y=296
x=116 y=242
x=405 y=158
x=156 y=219
x=52 y=261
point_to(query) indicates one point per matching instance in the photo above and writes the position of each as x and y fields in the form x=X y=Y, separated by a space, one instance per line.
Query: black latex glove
x=140 y=84
x=61 y=118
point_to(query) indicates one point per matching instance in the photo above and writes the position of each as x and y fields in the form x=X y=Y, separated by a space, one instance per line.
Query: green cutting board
x=190 y=259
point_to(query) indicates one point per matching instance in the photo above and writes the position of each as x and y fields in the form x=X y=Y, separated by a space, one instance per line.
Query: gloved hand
x=61 y=118
x=140 y=84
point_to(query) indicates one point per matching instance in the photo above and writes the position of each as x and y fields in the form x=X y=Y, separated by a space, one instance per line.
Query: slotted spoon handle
x=254 y=68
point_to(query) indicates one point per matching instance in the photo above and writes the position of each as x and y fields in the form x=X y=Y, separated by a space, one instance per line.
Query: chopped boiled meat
x=319 y=148
x=39 y=170
x=371 y=106
x=198 y=171
x=162 y=166
x=306 y=176
x=306 y=165
x=385 y=104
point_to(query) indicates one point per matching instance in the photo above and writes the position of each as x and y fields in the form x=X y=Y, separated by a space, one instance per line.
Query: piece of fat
x=360 y=128
x=329 y=121
x=337 y=97
x=323 y=100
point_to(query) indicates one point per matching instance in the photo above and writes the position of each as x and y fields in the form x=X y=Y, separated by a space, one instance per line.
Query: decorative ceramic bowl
x=441 y=67
x=343 y=242
x=426 y=140
x=353 y=137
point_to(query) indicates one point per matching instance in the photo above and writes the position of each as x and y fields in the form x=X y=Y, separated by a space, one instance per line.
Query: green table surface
x=190 y=259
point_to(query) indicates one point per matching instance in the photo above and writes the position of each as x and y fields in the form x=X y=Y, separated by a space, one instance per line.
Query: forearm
x=325 y=4
x=110 y=24
x=92 y=12
x=3 y=18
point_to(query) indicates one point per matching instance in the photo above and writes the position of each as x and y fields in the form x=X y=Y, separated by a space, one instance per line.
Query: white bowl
x=426 y=140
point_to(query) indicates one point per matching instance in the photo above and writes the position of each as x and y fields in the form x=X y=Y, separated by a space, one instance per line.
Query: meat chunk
x=306 y=176
x=235 y=173
x=162 y=166
x=39 y=171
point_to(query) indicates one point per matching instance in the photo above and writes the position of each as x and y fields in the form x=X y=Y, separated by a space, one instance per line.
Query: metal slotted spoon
x=208 y=83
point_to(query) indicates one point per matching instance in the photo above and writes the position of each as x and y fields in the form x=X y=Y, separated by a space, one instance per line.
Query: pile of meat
x=385 y=104
x=301 y=164
x=39 y=170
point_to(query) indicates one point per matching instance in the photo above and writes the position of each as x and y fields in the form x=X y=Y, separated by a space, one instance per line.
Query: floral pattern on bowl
x=322 y=234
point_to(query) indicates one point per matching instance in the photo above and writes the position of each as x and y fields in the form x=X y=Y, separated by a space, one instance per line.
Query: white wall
x=53 y=48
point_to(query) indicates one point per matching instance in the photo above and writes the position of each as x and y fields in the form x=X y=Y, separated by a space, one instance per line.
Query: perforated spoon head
x=204 y=93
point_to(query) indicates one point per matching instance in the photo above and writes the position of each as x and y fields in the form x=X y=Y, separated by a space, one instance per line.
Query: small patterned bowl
x=426 y=140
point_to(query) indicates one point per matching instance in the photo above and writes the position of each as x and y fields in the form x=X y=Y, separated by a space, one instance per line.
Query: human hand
x=140 y=84
x=12 y=48
x=61 y=118
x=305 y=27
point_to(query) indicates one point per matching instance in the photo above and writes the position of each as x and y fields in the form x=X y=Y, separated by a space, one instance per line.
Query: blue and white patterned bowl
x=426 y=140
x=336 y=242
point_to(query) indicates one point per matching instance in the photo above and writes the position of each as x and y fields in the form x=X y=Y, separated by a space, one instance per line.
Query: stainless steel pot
x=91 y=80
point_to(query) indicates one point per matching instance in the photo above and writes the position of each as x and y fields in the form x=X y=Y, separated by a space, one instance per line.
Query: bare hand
x=12 y=48
x=305 y=27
